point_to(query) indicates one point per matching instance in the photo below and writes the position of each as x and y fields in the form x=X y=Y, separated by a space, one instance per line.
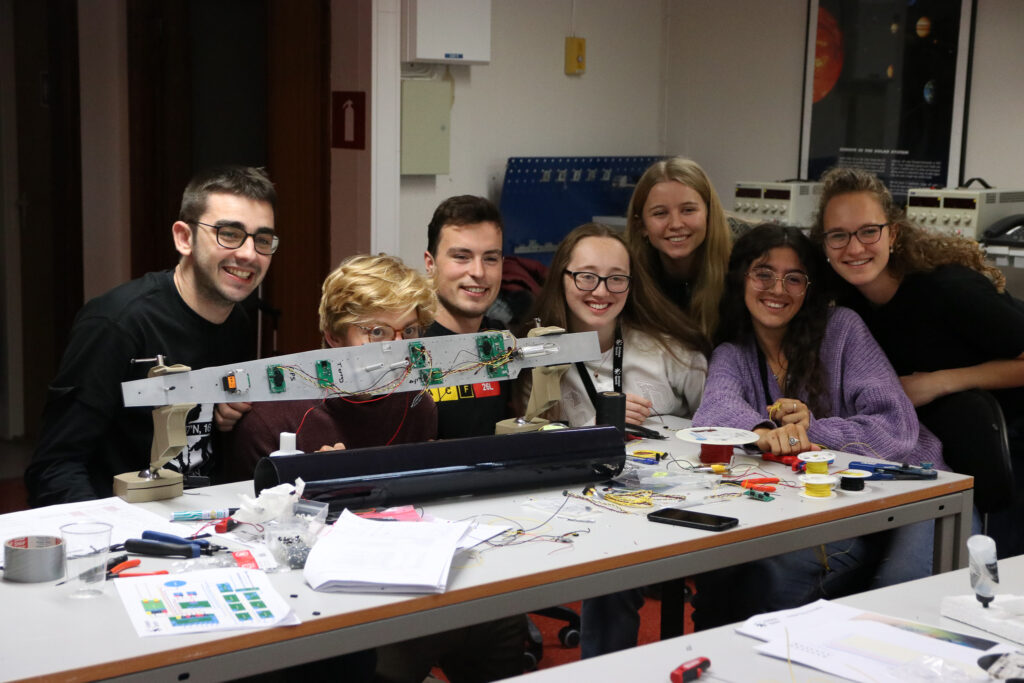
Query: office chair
x=972 y=430
x=568 y=635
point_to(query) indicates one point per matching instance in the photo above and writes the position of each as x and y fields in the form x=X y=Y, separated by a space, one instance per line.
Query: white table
x=95 y=639
x=732 y=655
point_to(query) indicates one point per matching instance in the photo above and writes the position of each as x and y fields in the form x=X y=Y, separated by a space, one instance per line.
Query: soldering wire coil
x=817 y=462
x=817 y=486
x=33 y=559
x=852 y=481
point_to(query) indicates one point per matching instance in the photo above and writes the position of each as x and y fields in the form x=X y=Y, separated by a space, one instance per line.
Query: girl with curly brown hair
x=940 y=313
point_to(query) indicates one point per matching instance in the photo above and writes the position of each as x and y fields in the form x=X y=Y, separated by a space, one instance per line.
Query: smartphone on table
x=693 y=519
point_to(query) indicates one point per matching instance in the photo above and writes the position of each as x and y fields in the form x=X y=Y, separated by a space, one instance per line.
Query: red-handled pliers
x=758 y=484
x=118 y=571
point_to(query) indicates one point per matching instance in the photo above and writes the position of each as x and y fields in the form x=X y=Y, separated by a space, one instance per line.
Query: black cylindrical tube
x=611 y=410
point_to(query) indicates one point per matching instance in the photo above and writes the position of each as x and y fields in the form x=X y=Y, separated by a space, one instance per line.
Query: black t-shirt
x=469 y=409
x=677 y=291
x=88 y=436
x=951 y=317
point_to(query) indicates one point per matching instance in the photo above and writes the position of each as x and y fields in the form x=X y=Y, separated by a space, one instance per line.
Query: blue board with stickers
x=543 y=198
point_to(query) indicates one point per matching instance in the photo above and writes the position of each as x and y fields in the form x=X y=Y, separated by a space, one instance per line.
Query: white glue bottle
x=981 y=552
x=286 y=445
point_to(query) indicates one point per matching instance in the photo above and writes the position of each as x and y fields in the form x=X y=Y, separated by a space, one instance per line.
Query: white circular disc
x=831 y=494
x=817 y=456
x=717 y=436
x=819 y=479
x=855 y=474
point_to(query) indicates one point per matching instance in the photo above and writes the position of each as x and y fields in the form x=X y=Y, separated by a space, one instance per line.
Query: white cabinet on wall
x=446 y=31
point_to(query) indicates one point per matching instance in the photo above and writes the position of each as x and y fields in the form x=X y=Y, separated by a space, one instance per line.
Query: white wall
x=995 y=126
x=735 y=85
x=735 y=76
x=523 y=104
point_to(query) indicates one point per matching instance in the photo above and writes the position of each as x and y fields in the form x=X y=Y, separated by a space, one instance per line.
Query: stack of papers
x=361 y=555
x=865 y=646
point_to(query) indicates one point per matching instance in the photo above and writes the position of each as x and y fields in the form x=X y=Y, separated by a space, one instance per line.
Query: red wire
x=305 y=415
x=404 y=413
x=393 y=436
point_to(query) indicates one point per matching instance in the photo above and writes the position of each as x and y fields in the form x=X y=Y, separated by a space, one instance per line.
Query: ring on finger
x=793 y=441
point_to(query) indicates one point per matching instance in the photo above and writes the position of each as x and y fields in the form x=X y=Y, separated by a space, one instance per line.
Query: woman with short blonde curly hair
x=679 y=232
x=939 y=312
x=365 y=299
x=364 y=288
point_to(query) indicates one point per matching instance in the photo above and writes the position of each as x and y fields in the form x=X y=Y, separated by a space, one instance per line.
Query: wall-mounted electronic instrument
x=963 y=211
x=787 y=203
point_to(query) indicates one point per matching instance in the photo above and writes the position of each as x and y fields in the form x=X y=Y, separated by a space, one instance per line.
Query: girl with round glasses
x=802 y=374
x=650 y=351
x=938 y=310
x=365 y=299
x=680 y=234
x=660 y=362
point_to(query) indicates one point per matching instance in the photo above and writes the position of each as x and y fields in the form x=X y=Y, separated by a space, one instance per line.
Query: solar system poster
x=888 y=90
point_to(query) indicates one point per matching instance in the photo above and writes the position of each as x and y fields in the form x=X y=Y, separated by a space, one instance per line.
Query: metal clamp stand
x=154 y=482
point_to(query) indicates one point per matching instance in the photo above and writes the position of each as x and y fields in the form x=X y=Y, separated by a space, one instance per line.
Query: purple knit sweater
x=867 y=401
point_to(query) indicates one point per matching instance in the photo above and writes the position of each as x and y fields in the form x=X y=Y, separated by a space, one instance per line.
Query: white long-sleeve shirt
x=674 y=383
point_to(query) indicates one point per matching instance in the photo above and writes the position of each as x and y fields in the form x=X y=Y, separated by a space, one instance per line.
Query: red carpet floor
x=555 y=654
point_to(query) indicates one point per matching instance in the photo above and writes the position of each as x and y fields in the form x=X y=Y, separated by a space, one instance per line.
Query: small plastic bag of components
x=225 y=560
x=292 y=537
x=313 y=511
x=290 y=541
x=653 y=477
x=927 y=668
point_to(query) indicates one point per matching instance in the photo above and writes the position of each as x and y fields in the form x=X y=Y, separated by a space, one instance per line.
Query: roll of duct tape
x=32 y=559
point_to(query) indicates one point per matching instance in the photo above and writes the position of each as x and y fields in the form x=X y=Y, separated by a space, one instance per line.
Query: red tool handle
x=691 y=670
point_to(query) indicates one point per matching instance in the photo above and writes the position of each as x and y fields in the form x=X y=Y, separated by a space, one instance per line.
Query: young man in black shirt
x=464 y=258
x=225 y=237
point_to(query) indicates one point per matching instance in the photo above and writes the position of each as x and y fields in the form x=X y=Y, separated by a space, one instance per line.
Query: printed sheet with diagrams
x=201 y=601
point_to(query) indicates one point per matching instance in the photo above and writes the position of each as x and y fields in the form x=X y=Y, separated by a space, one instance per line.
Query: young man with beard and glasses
x=464 y=258
x=189 y=315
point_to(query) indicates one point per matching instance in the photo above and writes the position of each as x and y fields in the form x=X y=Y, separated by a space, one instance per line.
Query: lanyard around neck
x=617 y=351
x=762 y=365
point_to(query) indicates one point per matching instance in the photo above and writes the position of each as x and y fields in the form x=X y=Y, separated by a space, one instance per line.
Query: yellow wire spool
x=817 y=486
x=817 y=462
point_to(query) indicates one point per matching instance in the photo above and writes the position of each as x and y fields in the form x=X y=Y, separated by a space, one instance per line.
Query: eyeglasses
x=765 y=279
x=233 y=237
x=866 y=234
x=588 y=282
x=381 y=332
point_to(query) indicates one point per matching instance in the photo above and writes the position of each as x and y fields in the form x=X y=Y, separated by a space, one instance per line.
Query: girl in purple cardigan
x=799 y=372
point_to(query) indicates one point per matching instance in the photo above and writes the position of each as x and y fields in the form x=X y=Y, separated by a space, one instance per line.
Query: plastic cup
x=86 y=545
